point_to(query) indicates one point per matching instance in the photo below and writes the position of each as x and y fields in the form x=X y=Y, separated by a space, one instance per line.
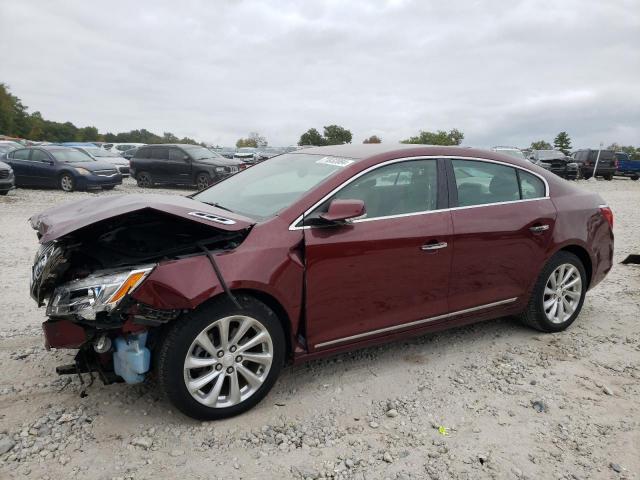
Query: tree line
x=16 y=121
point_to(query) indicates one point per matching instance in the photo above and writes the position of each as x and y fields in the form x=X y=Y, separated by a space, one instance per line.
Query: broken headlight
x=99 y=292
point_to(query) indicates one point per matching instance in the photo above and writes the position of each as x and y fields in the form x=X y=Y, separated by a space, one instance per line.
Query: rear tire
x=144 y=179
x=558 y=294
x=608 y=177
x=66 y=182
x=209 y=379
x=4 y=192
x=634 y=177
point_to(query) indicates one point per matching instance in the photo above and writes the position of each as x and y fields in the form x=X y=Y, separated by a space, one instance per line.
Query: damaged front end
x=87 y=276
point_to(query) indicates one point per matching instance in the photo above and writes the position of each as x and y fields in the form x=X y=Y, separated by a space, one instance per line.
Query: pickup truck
x=627 y=167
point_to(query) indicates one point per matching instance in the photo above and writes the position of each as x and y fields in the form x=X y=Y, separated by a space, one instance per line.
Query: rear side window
x=142 y=153
x=20 y=154
x=530 y=185
x=160 y=153
x=396 y=189
x=480 y=183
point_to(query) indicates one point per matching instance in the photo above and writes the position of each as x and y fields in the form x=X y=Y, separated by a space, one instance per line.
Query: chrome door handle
x=433 y=246
x=539 y=228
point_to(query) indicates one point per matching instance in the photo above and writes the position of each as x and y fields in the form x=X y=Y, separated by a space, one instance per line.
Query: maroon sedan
x=308 y=254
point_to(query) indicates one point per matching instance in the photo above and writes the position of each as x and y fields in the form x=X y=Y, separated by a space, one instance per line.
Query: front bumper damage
x=88 y=278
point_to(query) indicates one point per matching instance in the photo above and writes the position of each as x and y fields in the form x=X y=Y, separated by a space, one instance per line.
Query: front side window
x=176 y=155
x=396 y=189
x=39 y=156
x=480 y=183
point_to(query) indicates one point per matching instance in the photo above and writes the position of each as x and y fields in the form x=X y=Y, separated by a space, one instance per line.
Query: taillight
x=607 y=213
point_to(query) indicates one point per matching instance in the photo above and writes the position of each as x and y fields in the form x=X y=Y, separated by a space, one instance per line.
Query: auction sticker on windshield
x=338 y=162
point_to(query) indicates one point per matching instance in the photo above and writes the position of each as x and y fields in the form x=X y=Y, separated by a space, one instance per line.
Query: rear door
x=158 y=164
x=179 y=166
x=388 y=271
x=501 y=229
x=19 y=161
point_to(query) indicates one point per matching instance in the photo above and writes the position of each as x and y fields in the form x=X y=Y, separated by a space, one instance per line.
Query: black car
x=180 y=164
x=556 y=162
x=586 y=160
x=6 y=178
x=60 y=167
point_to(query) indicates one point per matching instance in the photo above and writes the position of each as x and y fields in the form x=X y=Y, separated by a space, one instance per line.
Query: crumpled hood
x=59 y=221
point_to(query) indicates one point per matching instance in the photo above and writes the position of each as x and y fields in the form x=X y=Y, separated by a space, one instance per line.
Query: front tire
x=221 y=360
x=203 y=180
x=558 y=294
x=67 y=183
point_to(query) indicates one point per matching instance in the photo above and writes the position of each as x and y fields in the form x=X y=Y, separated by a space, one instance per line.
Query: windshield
x=271 y=186
x=549 y=154
x=198 y=153
x=70 y=155
x=100 y=152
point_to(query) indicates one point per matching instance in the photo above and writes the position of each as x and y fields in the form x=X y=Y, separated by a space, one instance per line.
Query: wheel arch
x=582 y=253
x=273 y=303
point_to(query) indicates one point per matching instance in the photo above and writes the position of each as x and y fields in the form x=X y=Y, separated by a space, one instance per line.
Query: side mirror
x=340 y=211
x=185 y=158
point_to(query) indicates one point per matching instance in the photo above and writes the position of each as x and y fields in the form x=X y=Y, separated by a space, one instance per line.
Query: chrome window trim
x=415 y=323
x=293 y=226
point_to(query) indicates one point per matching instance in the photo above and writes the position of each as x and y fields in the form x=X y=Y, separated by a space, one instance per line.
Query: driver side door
x=388 y=271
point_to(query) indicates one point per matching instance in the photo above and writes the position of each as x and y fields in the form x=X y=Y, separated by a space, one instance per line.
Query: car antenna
x=225 y=287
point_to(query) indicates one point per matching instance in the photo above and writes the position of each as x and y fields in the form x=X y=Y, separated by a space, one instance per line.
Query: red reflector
x=607 y=213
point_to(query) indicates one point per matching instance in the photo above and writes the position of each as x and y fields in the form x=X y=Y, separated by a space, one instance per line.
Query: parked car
x=60 y=167
x=556 y=162
x=9 y=145
x=179 y=164
x=129 y=154
x=513 y=151
x=627 y=167
x=226 y=152
x=5 y=147
x=247 y=155
x=121 y=164
x=7 y=179
x=121 y=147
x=586 y=160
x=310 y=254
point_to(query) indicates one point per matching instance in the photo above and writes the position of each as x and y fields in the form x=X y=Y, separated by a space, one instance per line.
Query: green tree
x=337 y=135
x=373 y=139
x=562 y=142
x=540 y=145
x=312 y=137
x=246 y=142
x=441 y=137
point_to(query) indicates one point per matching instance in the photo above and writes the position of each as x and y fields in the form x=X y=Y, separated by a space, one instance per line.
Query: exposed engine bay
x=85 y=278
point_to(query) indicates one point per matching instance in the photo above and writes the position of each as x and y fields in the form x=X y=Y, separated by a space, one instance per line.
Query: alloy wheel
x=562 y=293
x=228 y=361
x=66 y=183
x=143 y=180
x=203 y=182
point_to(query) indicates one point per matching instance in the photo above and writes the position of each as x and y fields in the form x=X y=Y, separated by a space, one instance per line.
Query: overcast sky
x=503 y=72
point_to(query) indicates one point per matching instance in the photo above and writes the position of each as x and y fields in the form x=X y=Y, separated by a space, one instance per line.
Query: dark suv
x=180 y=165
x=586 y=160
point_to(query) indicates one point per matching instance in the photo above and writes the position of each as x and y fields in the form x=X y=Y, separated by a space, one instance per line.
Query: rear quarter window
x=530 y=185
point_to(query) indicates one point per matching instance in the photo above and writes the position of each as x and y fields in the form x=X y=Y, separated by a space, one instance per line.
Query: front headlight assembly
x=99 y=292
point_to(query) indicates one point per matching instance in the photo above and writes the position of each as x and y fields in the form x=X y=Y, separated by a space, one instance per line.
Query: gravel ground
x=493 y=400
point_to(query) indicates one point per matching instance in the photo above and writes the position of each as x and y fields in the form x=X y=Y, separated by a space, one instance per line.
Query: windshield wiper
x=217 y=205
